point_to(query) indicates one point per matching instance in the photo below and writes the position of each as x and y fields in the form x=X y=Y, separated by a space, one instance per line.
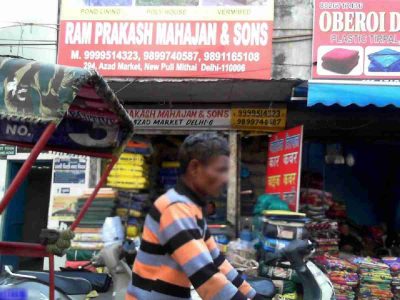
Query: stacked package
x=278 y=230
x=324 y=231
x=88 y=238
x=375 y=278
x=169 y=174
x=132 y=207
x=131 y=176
x=221 y=234
x=394 y=265
x=342 y=274
x=130 y=172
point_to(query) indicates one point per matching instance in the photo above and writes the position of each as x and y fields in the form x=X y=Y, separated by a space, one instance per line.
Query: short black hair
x=202 y=146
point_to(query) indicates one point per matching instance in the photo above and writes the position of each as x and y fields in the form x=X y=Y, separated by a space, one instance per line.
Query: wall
x=29 y=29
x=292 y=39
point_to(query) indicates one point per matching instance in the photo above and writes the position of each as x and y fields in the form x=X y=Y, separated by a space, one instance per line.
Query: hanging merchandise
x=169 y=174
x=130 y=177
x=316 y=203
x=130 y=172
x=132 y=207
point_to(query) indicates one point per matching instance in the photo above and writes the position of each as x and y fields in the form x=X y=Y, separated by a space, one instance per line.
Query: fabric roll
x=80 y=255
x=87 y=245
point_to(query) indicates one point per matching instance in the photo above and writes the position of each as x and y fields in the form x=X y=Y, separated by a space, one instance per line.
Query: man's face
x=210 y=178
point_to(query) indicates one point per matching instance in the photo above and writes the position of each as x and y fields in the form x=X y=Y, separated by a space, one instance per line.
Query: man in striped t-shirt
x=177 y=250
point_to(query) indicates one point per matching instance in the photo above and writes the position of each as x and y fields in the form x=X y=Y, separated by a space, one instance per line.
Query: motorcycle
x=316 y=285
x=73 y=285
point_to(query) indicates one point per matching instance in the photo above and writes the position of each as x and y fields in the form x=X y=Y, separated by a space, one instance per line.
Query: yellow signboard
x=259 y=119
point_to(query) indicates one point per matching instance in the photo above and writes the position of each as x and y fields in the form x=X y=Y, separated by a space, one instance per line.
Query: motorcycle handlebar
x=295 y=252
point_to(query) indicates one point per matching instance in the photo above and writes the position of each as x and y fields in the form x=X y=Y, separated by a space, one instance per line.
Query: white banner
x=182 y=119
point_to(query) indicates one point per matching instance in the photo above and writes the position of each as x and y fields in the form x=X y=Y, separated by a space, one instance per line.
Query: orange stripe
x=209 y=289
x=161 y=203
x=211 y=244
x=245 y=288
x=175 y=212
x=188 y=251
x=146 y=271
x=129 y=297
x=173 y=276
x=226 y=267
x=149 y=236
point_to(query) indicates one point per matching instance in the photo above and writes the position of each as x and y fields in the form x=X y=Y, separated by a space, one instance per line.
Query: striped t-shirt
x=177 y=251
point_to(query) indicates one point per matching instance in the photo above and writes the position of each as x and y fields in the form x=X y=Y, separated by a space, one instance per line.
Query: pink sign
x=356 y=39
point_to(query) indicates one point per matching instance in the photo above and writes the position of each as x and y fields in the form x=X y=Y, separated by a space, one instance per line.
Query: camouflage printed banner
x=88 y=114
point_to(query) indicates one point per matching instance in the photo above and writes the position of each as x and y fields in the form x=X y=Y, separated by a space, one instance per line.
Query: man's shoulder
x=171 y=198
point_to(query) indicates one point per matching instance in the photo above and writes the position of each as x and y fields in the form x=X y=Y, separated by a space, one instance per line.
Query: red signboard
x=356 y=39
x=176 y=41
x=284 y=165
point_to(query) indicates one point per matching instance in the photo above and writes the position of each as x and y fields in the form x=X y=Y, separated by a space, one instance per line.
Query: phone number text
x=193 y=56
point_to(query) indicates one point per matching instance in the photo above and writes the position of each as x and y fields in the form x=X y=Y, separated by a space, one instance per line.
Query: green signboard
x=7 y=150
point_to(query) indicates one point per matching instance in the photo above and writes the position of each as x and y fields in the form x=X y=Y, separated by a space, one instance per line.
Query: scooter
x=71 y=286
x=316 y=285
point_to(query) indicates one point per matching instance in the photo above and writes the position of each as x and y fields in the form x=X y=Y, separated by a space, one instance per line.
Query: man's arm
x=181 y=236
x=226 y=268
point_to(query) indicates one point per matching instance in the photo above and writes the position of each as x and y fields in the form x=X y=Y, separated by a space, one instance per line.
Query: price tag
x=259 y=119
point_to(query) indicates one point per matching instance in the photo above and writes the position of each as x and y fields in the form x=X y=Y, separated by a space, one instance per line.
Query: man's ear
x=193 y=167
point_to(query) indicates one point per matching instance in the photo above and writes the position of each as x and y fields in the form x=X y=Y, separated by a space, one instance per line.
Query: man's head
x=204 y=159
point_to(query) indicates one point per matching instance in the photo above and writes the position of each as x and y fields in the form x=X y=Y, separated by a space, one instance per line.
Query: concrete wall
x=292 y=39
x=29 y=29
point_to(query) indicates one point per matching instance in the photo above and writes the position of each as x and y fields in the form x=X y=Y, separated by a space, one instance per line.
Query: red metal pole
x=26 y=167
x=51 y=283
x=94 y=194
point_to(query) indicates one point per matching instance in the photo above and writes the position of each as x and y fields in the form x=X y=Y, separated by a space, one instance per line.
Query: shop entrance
x=27 y=213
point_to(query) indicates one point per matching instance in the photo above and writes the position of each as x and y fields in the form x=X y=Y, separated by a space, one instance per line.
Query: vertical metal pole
x=51 y=283
x=27 y=166
x=232 y=201
x=94 y=194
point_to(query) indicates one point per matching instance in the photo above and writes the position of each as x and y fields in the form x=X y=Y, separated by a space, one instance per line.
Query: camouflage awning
x=88 y=114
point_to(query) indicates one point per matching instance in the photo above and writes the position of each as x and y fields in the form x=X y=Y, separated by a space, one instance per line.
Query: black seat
x=67 y=285
x=263 y=287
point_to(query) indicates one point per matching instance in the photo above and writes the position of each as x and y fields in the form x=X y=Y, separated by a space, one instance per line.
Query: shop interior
x=27 y=213
x=348 y=200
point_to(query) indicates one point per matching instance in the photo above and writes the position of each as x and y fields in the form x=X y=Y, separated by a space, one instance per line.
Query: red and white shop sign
x=284 y=166
x=357 y=39
x=177 y=41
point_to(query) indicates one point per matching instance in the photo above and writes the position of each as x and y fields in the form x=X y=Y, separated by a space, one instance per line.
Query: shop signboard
x=174 y=38
x=181 y=119
x=284 y=166
x=259 y=119
x=7 y=150
x=356 y=39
